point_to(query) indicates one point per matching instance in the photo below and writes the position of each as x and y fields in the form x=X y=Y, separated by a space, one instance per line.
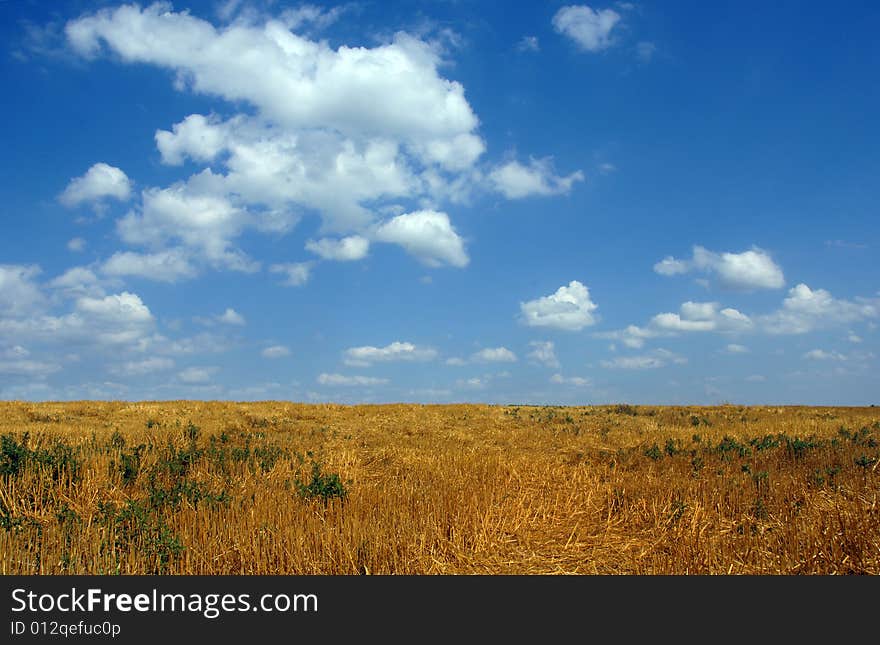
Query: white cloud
x=231 y=317
x=281 y=168
x=350 y=248
x=692 y=317
x=515 y=181
x=733 y=348
x=670 y=266
x=28 y=392
x=474 y=383
x=15 y=352
x=544 y=352
x=196 y=137
x=164 y=266
x=494 y=355
x=349 y=381
x=455 y=361
x=201 y=343
x=569 y=308
x=633 y=362
x=806 y=309
x=190 y=214
x=396 y=351
x=346 y=132
x=365 y=123
x=275 y=351
x=297 y=273
x=589 y=29
x=822 y=355
x=79 y=281
x=100 y=181
x=633 y=336
x=393 y=87
x=427 y=235
x=701 y=316
x=196 y=374
x=29 y=368
x=146 y=366
x=657 y=358
x=528 y=44
x=76 y=244
x=118 y=321
x=752 y=269
x=122 y=307
x=853 y=337
x=674 y=322
x=756 y=378
x=19 y=294
x=576 y=381
x=308 y=14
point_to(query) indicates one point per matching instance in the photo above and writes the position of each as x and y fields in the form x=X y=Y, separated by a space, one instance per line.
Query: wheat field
x=285 y=488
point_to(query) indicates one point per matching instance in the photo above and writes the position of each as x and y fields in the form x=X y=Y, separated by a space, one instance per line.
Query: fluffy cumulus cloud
x=396 y=351
x=100 y=181
x=231 y=317
x=117 y=319
x=691 y=317
x=79 y=281
x=197 y=137
x=342 y=380
x=19 y=291
x=806 y=309
x=76 y=244
x=515 y=180
x=75 y=318
x=746 y=271
x=205 y=224
x=569 y=308
x=171 y=265
x=346 y=249
x=362 y=121
x=575 y=381
x=105 y=322
x=494 y=355
x=631 y=336
x=295 y=274
x=393 y=87
x=588 y=28
x=426 y=235
x=344 y=132
x=701 y=316
x=543 y=352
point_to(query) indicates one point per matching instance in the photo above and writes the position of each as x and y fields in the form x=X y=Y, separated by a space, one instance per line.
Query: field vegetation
x=284 y=488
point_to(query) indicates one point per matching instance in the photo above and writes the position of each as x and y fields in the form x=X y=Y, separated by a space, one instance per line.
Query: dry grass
x=442 y=489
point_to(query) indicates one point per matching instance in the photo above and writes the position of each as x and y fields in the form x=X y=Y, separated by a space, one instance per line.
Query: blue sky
x=440 y=202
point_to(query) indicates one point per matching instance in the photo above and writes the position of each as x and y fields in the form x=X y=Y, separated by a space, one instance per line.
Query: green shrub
x=322 y=486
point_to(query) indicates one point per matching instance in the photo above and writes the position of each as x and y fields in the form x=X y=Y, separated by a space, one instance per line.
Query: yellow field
x=283 y=488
